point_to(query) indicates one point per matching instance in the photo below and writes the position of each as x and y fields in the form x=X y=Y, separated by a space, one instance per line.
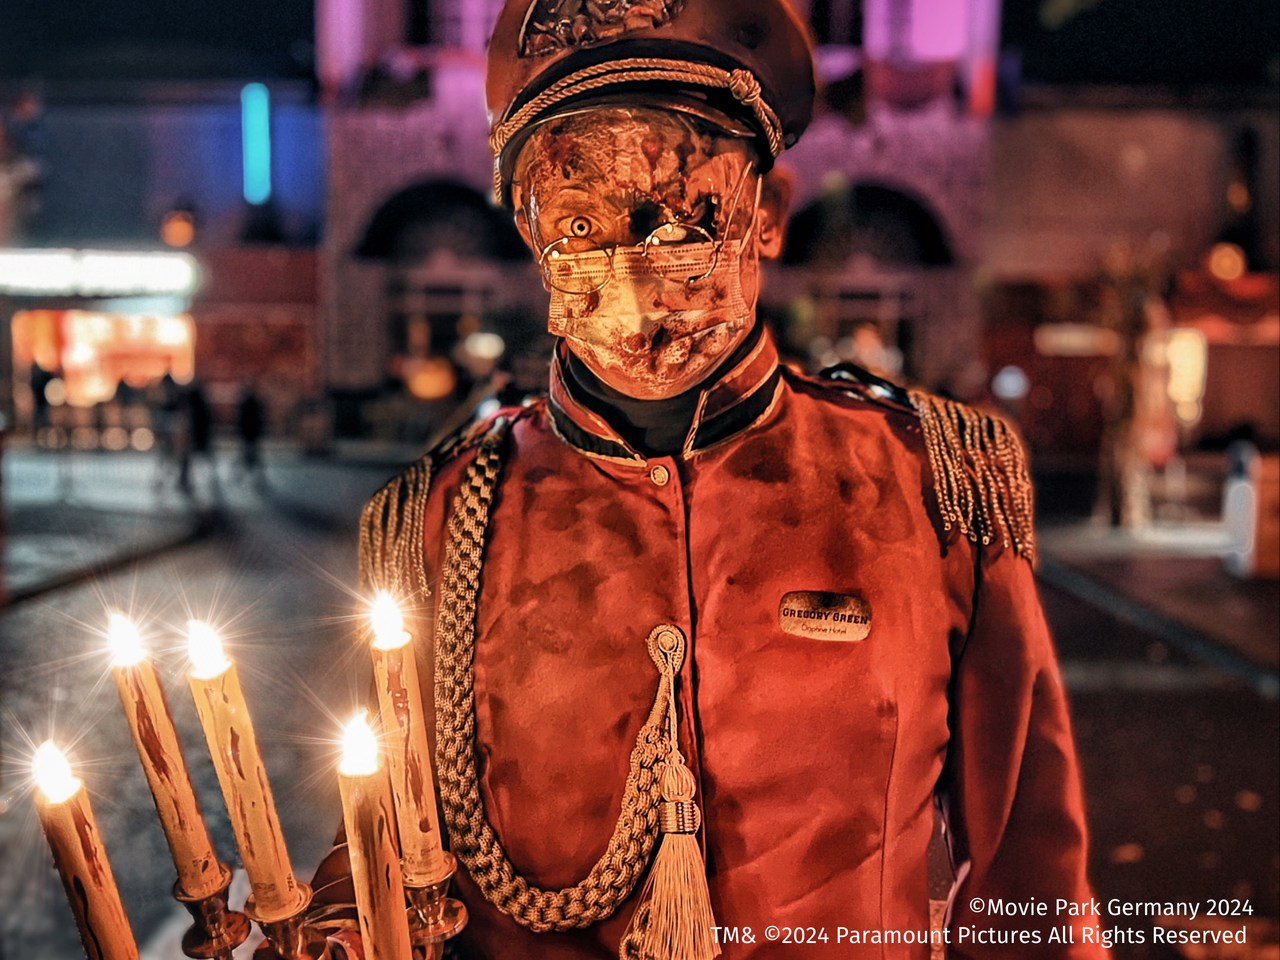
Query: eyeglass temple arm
x=737 y=195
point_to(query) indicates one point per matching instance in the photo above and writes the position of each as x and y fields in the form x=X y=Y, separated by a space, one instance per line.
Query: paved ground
x=1176 y=573
x=65 y=513
x=1181 y=757
x=1181 y=767
x=1171 y=666
x=277 y=575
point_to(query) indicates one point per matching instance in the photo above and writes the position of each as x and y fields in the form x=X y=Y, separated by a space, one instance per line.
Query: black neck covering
x=655 y=428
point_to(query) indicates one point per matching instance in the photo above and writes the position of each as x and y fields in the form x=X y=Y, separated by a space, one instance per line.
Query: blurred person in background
x=20 y=179
x=250 y=424
x=200 y=425
x=172 y=424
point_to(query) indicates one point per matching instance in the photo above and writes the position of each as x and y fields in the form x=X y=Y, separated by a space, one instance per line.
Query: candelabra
x=435 y=917
x=216 y=930
x=396 y=916
x=292 y=937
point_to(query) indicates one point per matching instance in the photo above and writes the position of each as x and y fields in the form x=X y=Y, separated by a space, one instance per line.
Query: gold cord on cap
x=742 y=84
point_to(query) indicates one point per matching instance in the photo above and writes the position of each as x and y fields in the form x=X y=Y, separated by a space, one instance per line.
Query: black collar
x=599 y=422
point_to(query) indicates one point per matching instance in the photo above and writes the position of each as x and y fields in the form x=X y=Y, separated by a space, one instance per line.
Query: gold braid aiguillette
x=674 y=919
x=474 y=841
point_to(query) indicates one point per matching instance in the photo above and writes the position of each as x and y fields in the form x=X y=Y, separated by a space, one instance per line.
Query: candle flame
x=53 y=774
x=359 y=748
x=388 y=623
x=126 y=644
x=204 y=647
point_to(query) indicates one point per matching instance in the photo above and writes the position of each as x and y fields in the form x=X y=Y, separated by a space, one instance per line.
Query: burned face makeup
x=643 y=223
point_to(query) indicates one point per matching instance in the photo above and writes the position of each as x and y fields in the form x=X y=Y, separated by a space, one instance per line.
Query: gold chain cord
x=473 y=839
x=979 y=473
x=741 y=83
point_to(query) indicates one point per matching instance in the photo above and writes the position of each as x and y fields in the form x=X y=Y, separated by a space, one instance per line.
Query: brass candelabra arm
x=293 y=938
x=216 y=930
x=434 y=916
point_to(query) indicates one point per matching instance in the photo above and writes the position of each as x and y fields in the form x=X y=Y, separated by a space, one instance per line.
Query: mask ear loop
x=535 y=237
x=737 y=194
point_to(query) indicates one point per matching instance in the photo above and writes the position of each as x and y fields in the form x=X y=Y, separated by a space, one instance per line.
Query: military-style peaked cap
x=744 y=65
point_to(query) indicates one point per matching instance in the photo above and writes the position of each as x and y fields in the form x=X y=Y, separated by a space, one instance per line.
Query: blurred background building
x=976 y=174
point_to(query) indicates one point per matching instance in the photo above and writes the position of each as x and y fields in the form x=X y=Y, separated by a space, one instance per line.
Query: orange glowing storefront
x=82 y=359
x=90 y=331
x=102 y=342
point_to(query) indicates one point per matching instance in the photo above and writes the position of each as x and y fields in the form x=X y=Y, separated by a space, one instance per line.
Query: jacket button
x=659 y=475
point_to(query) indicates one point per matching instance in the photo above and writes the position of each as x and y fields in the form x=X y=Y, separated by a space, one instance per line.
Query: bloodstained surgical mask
x=656 y=318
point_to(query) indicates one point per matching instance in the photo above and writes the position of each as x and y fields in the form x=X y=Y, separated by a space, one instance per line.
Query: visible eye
x=580 y=230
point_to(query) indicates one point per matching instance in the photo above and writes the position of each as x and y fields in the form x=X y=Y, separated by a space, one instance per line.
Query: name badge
x=824 y=616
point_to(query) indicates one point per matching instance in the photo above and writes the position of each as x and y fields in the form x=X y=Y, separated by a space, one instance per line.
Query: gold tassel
x=674 y=919
x=680 y=920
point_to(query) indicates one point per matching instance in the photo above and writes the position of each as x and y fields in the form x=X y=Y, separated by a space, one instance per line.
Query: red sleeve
x=1012 y=787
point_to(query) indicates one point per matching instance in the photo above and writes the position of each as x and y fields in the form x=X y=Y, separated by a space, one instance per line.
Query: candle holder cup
x=216 y=930
x=292 y=938
x=435 y=917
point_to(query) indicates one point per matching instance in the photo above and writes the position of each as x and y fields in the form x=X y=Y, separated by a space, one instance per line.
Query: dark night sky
x=156 y=38
x=1092 y=41
x=1146 y=41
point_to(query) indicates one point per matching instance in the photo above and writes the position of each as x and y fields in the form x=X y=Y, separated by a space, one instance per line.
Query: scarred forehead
x=618 y=152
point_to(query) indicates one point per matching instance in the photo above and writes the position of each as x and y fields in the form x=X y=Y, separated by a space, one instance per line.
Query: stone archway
x=455 y=300
x=433 y=215
x=871 y=272
x=884 y=224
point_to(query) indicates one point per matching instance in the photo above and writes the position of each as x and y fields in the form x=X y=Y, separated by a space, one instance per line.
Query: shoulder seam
x=470 y=434
x=843 y=379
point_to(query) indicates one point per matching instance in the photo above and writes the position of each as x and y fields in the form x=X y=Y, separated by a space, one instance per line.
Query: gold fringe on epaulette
x=391 y=554
x=979 y=473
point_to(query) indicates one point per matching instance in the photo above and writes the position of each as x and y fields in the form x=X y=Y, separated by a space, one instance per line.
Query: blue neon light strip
x=255 y=125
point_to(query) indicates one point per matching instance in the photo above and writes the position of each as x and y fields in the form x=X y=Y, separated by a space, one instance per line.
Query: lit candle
x=224 y=716
x=63 y=808
x=371 y=845
x=395 y=673
x=200 y=875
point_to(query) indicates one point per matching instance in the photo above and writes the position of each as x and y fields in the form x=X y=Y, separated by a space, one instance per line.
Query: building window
x=836 y=22
x=418 y=28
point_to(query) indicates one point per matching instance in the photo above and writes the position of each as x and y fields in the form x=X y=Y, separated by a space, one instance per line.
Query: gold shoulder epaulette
x=391 y=554
x=979 y=473
x=391 y=549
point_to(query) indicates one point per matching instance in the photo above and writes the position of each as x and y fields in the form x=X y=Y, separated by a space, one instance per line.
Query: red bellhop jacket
x=818 y=760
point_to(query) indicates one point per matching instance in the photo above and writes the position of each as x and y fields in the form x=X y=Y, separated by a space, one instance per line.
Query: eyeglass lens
x=677 y=251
